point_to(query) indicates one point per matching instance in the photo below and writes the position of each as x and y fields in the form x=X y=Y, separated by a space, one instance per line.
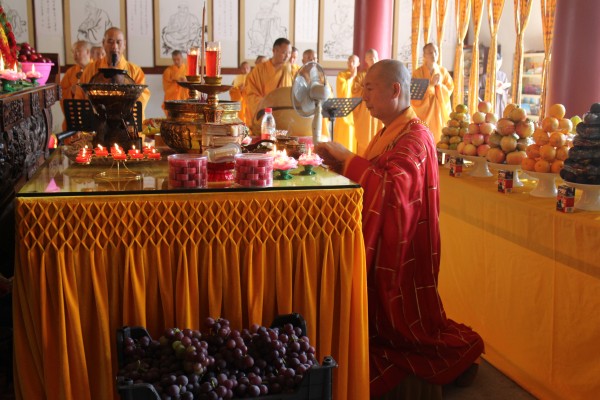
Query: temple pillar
x=373 y=28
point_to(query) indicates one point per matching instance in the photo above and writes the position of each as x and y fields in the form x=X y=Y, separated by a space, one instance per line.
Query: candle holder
x=194 y=94
x=211 y=91
x=308 y=170
x=7 y=85
x=120 y=173
x=34 y=81
x=283 y=174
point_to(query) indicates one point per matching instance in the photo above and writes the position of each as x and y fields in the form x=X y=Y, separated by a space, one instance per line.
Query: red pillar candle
x=101 y=151
x=192 y=62
x=213 y=59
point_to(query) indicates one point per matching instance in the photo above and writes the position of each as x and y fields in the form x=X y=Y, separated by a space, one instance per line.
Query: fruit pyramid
x=550 y=148
x=514 y=131
x=583 y=162
x=456 y=127
x=476 y=141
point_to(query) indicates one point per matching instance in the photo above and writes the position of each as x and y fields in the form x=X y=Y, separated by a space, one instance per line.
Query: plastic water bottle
x=267 y=126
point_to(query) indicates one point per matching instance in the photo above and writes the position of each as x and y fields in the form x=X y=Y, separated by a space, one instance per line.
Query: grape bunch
x=220 y=362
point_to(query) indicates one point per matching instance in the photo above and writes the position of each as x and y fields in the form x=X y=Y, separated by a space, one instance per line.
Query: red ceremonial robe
x=408 y=329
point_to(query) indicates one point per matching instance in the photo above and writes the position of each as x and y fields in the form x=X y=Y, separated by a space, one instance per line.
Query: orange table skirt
x=527 y=279
x=89 y=265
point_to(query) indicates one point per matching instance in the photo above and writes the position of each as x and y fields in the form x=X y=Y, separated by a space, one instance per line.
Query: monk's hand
x=334 y=155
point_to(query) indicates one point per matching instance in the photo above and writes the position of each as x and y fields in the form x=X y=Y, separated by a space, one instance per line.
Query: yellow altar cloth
x=527 y=279
x=87 y=265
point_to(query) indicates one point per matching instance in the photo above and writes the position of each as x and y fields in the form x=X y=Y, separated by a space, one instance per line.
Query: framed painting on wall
x=263 y=22
x=88 y=20
x=20 y=15
x=336 y=33
x=178 y=26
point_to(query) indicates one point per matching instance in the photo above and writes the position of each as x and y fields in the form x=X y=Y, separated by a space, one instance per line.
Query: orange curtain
x=548 y=9
x=474 y=74
x=442 y=7
x=463 y=13
x=426 y=20
x=416 y=28
x=522 y=12
x=494 y=8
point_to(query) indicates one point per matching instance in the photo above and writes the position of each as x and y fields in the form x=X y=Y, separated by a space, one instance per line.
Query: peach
x=524 y=128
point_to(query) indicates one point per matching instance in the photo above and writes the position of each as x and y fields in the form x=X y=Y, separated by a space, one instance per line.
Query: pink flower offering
x=33 y=73
x=283 y=162
x=9 y=75
x=310 y=158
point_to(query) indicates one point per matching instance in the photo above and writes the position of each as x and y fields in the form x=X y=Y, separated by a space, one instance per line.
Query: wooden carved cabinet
x=25 y=124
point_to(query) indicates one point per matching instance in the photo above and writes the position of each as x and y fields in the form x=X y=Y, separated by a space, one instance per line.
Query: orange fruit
x=542 y=166
x=550 y=124
x=548 y=152
x=556 y=166
x=557 y=111
x=541 y=137
x=528 y=164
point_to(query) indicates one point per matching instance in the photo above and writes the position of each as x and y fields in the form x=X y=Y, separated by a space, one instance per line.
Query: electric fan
x=309 y=91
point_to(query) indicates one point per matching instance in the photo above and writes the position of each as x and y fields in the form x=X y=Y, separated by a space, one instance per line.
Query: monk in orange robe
x=270 y=75
x=114 y=43
x=238 y=92
x=412 y=343
x=435 y=107
x=365 y=126
x=173 y=74
x=343 y=131
x=81 y=54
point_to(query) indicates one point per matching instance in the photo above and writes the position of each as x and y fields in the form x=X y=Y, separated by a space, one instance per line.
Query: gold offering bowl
x=182 y=130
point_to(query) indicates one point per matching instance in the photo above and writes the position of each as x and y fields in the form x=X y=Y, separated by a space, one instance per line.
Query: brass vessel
x=182 y=130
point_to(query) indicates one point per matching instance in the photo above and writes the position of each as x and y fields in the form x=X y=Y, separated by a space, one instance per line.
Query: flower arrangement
x=8 y=43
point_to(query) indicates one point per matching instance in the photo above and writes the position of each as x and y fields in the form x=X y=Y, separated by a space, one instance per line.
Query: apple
x=22 y=58
x=473 y=128
x=486 y=139
x=487 y=128
x=483 y=149
x=548 y=152
x=525 y=128
x=477 y=139
x=507 y=110
x=576 y=119
x=491 y=118
x=484 y=107
x=478 y=118
x=495 y=155
x=518 y=114
x=505 y=126
x=522 y=143
x=494 y=140
x=508 y=143
x=533 y=151
x=470 y=150
x=467 y=138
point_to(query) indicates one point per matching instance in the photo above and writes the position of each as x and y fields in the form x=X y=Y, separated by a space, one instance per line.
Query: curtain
x=548 y=9
x=427 y=4
x=442 y=7
x=463 y=13
x=522 y=12
x=474 y=73
x=495 y=8
x=416 y=28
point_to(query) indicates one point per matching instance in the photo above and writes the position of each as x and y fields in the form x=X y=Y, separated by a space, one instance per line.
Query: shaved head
x=390 y=72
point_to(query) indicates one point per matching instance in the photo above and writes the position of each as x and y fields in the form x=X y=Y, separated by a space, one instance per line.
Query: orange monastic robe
x=173 y=91
x=133 y=71
x=262 y=80
x=238 y=93
x=67 y=83
x=435 y=107
x=365 y=126
x=343 y=131
x=408 y=329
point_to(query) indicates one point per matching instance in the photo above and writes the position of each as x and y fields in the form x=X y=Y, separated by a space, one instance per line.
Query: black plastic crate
x=316 y=384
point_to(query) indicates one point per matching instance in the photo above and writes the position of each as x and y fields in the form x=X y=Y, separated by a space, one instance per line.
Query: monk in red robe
x=411 y=340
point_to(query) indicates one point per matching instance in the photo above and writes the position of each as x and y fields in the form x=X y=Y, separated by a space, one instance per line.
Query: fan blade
x=300 y=89
x=318 y=91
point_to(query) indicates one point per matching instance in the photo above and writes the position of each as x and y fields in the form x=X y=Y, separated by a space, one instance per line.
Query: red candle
x=148 y=149
x=213 y=59
x=119 y=155
x=101 y=151
x=137 y=155
x=192 y=62
x=115 y=149
x=153 y=155
x=83 y=157
x=133 y=151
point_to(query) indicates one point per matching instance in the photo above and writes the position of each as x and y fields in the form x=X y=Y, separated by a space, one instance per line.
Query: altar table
x=93 y=256
x=527 y=279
